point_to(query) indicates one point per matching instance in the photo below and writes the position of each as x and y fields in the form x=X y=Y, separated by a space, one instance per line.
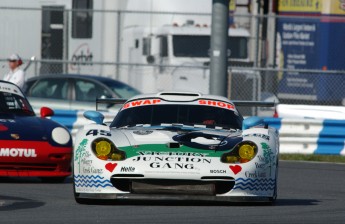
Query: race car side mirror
x=251 y=122
x=94 y=116
x=46 y=112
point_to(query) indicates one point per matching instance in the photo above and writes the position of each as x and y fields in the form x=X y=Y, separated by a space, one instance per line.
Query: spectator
x=15 y=75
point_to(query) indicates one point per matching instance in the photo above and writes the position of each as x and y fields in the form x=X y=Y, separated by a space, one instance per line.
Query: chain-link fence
x=270 y=57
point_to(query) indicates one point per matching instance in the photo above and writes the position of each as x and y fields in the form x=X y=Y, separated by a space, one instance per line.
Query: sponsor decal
x=17 y=152
x=188 y=166
x=269 y=157
x=172 y=162
x=127 y=169
x=235 y=169
x=110 y=166
x=145 y=102
x=266 y=137
x=260 y=165
x=193 y=154
x=92 y=170
x=255 y=174
x=137 y=103
x=217 y=171
x=267 y=152
x=95 y=132
x=172 y=159
x=217 y=104
x=5 y=88
x=80 y=153
x=10 y=88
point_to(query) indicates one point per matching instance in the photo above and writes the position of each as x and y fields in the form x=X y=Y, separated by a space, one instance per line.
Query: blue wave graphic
x=89 y=176
x=94 y=185
x=255 y=188
x=91 y=181
x=255 y=180
x=255 y=184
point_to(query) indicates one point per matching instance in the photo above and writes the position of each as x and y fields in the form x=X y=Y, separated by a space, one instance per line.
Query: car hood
x=25 y=128
x=203 y=139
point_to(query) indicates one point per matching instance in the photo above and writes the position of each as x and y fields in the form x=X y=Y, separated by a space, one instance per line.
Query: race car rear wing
x=239 y=103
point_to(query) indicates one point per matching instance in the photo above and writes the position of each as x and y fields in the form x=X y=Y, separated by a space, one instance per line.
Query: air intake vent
x=179 y=96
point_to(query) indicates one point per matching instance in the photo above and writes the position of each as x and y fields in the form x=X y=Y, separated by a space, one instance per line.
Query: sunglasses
x=12 y=60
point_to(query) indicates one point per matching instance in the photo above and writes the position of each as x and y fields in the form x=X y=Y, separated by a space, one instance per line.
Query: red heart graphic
x=236 y=169
x=110 y=166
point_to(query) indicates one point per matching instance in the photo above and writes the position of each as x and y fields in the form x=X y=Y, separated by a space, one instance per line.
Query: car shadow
x=32 y=180
x=8 y=203
x=278 y=202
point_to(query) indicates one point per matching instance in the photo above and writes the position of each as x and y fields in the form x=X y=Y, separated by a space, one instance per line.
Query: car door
x=86 y=91
x=52 y=92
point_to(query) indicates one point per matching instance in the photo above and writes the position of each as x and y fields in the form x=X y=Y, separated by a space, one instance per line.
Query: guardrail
x=300 y=135
x=310 y=136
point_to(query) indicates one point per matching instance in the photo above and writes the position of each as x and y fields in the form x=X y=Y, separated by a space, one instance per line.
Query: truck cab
x=177 y=56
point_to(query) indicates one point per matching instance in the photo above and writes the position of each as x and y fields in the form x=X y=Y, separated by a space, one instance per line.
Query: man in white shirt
x=16 y=75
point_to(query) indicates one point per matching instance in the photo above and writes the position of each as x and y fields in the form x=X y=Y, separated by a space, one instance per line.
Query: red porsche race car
x=31 y=146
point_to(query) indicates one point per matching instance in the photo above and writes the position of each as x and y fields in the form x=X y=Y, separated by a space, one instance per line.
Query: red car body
x=31 y=146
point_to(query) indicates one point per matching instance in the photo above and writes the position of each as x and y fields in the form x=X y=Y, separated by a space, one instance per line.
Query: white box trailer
x=168 y=51
x=51 y=30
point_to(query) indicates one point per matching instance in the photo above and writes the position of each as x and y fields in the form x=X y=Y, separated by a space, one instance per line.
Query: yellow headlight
x=103 y=148
x=246 y=151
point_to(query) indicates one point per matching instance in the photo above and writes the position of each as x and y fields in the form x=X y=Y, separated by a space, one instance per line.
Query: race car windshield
x=210 y=117
x=14 y=104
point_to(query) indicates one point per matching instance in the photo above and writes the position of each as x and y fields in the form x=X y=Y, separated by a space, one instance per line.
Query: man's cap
x=14 y=57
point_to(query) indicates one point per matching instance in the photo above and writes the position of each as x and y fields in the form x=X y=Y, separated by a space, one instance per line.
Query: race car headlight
x=61 y=135
x=247 y=151
x=105 y=149
x=242 y=153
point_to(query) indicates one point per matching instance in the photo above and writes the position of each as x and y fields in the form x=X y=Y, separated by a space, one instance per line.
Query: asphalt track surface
x=307 y=193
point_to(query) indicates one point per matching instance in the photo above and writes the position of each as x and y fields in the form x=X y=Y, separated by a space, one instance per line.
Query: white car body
x=176 y=161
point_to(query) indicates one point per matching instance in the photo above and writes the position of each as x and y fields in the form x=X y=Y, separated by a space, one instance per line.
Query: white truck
x=176 y=56
x=165 y=51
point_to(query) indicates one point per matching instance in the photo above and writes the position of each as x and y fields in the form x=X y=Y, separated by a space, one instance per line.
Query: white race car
x=176 y=146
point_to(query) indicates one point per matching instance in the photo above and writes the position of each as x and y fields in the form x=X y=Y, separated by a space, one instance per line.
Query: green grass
x=313 y=157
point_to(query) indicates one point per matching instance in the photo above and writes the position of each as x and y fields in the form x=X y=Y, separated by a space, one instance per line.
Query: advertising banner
x=311 y=36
